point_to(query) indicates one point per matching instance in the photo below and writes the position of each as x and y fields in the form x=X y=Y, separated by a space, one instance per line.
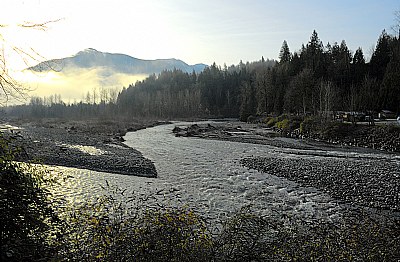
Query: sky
x=207 y=31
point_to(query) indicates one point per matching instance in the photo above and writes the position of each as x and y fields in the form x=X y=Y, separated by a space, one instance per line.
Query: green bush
x=282 y=117
x=271 y=121
x=246 y=236
x=357 y=237
x=283 y=125
x=307 y=125
x=27 y=219
x=171 y=234
x=286 y=123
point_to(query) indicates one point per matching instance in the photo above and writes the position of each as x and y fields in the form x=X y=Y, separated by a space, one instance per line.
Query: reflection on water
x=77 y=185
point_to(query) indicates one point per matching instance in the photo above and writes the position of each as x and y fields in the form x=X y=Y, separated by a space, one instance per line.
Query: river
x=205 y=175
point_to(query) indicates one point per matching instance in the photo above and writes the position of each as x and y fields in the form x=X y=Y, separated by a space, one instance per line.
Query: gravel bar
x=369 y=183
x=80 y=146
x=368 y=178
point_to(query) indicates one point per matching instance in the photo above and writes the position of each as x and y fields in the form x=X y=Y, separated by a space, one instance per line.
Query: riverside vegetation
x=382 y=137
x=131 y=228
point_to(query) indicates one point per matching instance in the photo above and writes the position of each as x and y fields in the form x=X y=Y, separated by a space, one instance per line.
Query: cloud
x=73 y=85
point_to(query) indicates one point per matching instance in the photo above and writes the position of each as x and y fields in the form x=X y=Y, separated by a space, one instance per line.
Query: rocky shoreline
x=92 y=145
x=383 y=137
x=365 y=182
x=371 y=182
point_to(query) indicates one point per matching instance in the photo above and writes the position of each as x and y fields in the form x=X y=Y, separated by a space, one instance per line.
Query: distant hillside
x=118 y=63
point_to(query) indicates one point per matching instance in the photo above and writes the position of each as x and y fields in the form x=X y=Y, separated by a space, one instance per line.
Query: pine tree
x=390 y=87
x=358 y=66
x=284 y=54
x=381 y=56
x=248 y=103
x=358 y=58
x=313 y=54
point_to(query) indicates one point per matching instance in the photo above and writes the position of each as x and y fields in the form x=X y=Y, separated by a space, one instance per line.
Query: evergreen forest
x=317 y=79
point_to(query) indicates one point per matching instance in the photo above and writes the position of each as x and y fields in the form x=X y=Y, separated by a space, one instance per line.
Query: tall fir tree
x=284 y=54
x=381 y=56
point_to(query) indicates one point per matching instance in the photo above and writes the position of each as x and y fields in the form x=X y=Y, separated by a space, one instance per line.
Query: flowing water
x=206 y=175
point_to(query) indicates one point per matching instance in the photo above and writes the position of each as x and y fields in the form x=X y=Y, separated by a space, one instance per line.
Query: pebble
x=59 y=146
x=367 y=182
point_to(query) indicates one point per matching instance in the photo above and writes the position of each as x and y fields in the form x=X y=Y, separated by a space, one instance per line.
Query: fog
x=73 y=85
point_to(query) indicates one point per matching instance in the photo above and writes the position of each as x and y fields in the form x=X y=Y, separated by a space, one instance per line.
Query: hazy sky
x=206 y=31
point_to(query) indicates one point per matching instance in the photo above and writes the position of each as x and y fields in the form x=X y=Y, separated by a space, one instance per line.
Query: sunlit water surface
x=206 y=175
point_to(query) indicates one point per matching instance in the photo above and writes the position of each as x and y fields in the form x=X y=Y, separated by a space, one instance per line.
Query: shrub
x=271 y=121
x=171 y=234
x=110 y=229
x=282 y=117
x=308 y=125
x=283 y=125
x=246 y=236
x=357 y=237
x=286 y=123
x=27 y=219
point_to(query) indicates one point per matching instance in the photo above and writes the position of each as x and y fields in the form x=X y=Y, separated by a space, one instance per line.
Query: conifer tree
x=381 y=56
x=284 y=54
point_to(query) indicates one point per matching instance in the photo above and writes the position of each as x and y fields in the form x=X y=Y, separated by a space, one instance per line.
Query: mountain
x=118 y=63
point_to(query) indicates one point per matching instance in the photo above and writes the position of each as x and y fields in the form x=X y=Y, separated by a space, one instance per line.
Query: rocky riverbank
x=94 y=145
x=366 y=182
x=372 y=182
x=384 y=137
x=247 y=133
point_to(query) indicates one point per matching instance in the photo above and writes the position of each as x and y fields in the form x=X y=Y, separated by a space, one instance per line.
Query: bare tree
x=396 y=26
x=88 y=98
x=10 y=87
x=94 y=95
x=327 y=95
x=113 y=95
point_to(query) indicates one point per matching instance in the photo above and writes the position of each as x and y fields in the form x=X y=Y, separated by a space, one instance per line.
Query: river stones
x=93 y=150
x=366 y=182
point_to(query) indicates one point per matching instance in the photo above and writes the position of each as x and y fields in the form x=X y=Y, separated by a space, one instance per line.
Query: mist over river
x=207 y=176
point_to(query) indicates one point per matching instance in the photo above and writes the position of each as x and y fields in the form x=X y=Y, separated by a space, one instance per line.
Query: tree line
x=100 y=102
x=317 y=79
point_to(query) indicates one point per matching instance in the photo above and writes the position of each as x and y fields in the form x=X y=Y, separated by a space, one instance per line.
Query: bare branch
x=38 y=26
x=9 y=87
x=24 y=54
x=396 y=26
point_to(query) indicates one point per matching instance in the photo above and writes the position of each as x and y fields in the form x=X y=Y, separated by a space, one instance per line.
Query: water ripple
x=206 y=175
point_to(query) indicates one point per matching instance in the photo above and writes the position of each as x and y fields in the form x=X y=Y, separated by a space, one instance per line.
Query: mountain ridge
x=117 y=62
